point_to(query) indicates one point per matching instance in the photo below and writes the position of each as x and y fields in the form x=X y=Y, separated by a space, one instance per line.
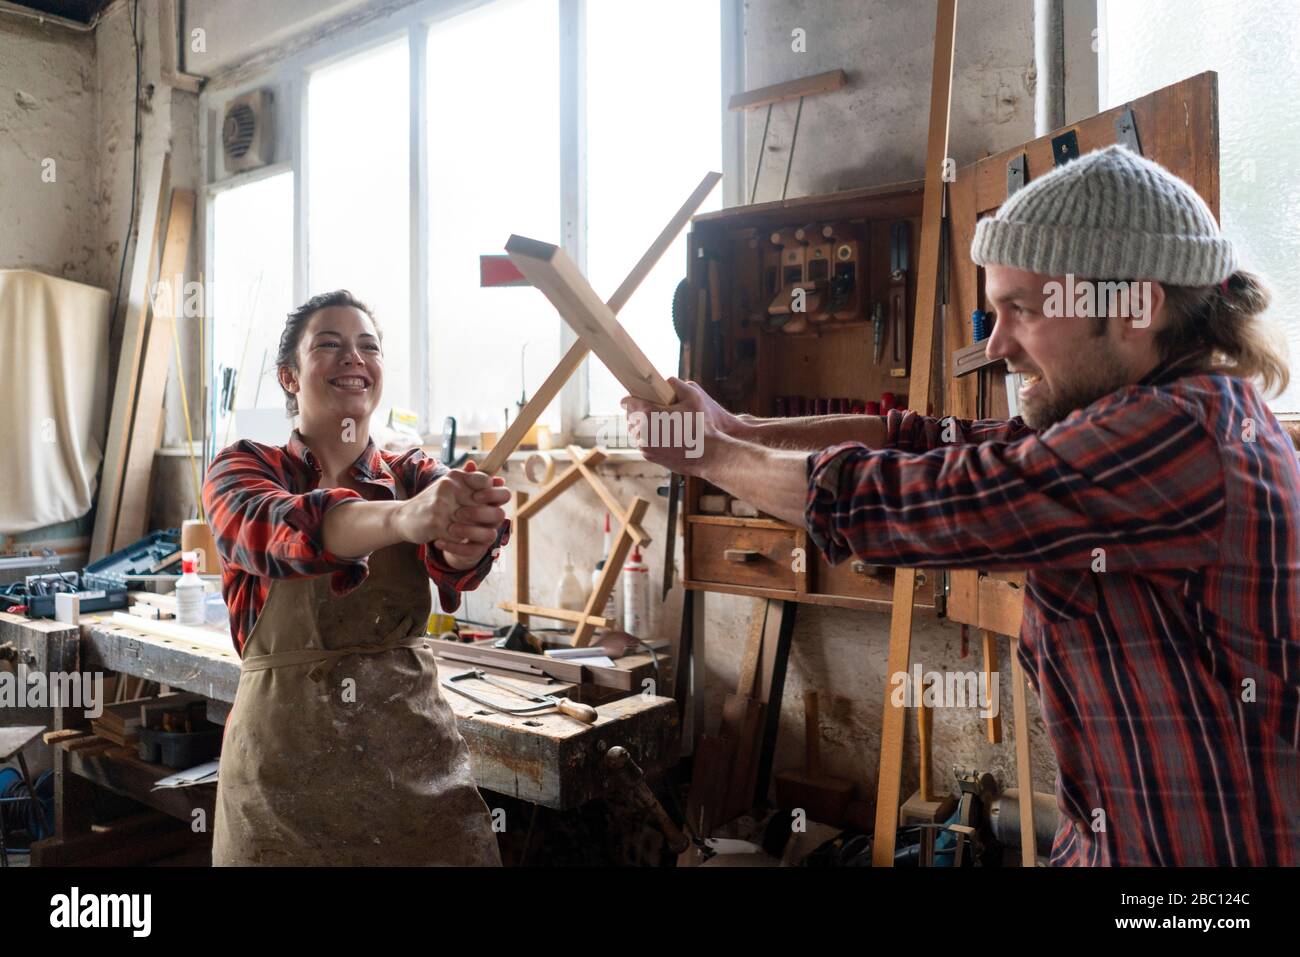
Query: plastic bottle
x=611 y=603
x=570 y=593
x=189 y=592
x=636 y=595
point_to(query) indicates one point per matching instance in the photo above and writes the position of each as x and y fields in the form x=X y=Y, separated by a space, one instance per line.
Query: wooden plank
x=613 y=566
x=778 y=636
x=990 y=641
x=146 y=426
x=900 y=630
x=789 y=90
x=577 y=353
x=156 y=179
x=520 y=542
x=556 y=614
x=1024 y=770
x=556 y=275
x=742 y=725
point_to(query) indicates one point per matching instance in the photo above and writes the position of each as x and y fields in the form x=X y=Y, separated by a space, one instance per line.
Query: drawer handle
x=740 y=556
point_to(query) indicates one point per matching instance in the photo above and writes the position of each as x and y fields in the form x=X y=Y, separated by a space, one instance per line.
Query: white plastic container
x=636 y=595
x=189 y=592
x=570 y=594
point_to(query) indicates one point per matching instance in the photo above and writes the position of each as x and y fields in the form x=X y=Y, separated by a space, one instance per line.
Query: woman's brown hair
x=296 y=324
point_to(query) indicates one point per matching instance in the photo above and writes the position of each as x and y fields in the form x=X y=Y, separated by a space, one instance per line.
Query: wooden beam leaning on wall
x=572 y=359
x=927 y=289
x=156 y=180
x=146 y=425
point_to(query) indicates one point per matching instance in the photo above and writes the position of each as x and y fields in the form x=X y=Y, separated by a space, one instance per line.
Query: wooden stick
x=556 y=275
x=990 y=669
x=613 y=565
x=132 y=517
x=577 y=353
x=789 y=90
x=611 y=502
x=558 y=614
x=753 y=649
x=156 y=180
x=1024 y=772
x=927 y=290
x=520 y=541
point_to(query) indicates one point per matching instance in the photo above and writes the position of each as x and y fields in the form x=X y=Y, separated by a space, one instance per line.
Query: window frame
x=289 y=80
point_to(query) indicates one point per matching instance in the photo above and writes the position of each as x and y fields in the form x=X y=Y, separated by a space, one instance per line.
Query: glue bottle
x=610 y=609
x=636 y=595
x=189 y=592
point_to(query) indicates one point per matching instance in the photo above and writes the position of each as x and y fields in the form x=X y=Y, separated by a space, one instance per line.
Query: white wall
x=48 y=105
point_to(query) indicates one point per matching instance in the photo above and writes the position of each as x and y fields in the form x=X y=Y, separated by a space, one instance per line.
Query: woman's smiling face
x=340 y=372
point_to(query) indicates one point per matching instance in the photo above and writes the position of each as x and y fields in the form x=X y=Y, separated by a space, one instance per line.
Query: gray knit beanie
x=1110 y=214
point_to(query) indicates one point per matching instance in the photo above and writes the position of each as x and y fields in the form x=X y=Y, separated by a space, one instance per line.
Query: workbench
x=548 y=759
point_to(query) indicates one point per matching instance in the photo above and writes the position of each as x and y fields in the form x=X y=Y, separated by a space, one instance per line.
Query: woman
x=340 y=748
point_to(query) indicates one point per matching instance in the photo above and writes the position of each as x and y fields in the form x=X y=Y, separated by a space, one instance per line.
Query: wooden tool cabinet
x=737 y=272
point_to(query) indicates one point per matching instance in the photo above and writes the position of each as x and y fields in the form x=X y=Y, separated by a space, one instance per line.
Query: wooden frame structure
x=572 y=359
x=629 y=532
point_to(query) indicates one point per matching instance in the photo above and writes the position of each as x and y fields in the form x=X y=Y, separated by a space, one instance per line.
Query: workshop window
x=359 y=196
x=430 y=136
x=653 y=127
x=494 y=169
x=252 y=258
x=1253 y=45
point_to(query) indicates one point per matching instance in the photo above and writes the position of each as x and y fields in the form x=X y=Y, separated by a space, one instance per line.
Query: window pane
x=1252 y=44
x=651 y=80
x=358 y=210
x=252 y=290
x=493 y=170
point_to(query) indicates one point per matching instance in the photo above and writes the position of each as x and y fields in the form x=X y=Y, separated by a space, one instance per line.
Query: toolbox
x=102 y=585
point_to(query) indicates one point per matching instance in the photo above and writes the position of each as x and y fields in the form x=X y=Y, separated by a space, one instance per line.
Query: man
x=1149 y=492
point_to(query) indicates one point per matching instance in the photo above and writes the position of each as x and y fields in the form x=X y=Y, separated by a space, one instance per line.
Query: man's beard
x=1101 y=374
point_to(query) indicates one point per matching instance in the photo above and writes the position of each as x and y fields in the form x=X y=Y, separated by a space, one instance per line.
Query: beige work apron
x=340 y=748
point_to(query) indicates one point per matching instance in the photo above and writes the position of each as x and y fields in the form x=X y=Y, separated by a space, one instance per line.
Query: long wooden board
x=156 y=178
x=927 y=290
x=132 y=517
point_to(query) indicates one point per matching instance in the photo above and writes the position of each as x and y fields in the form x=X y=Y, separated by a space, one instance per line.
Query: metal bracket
x=898 y=247
x=1126 y=131
x=1017 y=174
x=1065 y=147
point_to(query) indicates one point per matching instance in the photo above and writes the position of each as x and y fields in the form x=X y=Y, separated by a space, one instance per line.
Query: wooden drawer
x=743 y=555
x=849 y=579
x=855 y=579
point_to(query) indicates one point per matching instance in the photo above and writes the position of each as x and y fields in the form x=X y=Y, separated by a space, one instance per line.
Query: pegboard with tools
x=795 y=308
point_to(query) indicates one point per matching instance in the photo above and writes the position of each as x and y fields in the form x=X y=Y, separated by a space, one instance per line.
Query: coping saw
x=541 y=703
